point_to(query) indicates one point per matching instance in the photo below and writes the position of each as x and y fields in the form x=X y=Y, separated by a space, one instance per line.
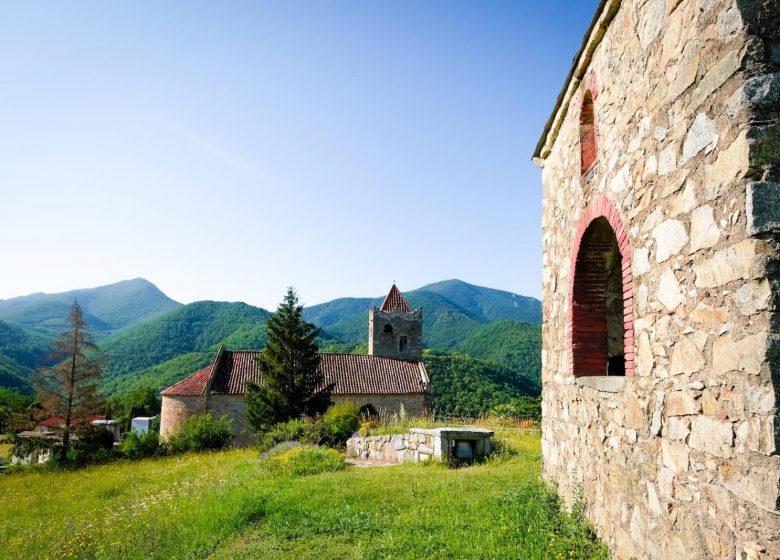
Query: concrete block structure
x=661 y=235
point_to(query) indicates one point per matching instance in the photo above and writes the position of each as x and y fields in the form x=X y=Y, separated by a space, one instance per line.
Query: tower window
x=388 y=329
x=403 y=344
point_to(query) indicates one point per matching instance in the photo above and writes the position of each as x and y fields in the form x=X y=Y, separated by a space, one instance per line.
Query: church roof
x=395 y=301
x=352 y=374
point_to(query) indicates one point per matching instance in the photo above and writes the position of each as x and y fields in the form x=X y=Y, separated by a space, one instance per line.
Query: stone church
x=661 y=235
x=391 y=375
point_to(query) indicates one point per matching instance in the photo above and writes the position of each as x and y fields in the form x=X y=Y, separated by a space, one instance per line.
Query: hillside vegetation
x=197 y=327
x=147 y=343
x=231 y=505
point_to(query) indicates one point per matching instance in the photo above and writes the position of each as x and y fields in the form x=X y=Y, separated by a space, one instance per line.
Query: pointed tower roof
x=395 y=301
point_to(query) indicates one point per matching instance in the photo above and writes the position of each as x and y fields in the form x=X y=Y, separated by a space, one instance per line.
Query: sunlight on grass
x=231 y=505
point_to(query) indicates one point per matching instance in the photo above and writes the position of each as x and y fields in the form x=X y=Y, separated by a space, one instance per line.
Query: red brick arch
x=587 y=319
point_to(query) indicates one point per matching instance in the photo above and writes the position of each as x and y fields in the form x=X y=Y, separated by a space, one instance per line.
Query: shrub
x=138 y=447
x=342 y=420
x=292 y=430
x=202 y=433
x=306 y=460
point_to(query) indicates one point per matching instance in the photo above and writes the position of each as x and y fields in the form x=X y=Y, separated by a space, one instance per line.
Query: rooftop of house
x=351 y=374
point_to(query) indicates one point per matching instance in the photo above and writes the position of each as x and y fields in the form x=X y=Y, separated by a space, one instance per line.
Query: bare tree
x=69 y=388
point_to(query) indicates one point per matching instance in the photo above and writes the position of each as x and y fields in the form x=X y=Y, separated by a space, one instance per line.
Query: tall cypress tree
x=292 y=385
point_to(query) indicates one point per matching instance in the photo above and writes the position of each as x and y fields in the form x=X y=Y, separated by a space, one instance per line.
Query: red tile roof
x=395 y=301
x=352 y=374
x=59 y=421
x=192 y=386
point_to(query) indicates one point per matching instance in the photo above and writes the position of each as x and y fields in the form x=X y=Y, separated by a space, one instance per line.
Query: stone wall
x=420 y=444
x=401 y=448
x=679 y=459
x=414 y=405
x=176 y=410
x=234 y=408
x=387 y=344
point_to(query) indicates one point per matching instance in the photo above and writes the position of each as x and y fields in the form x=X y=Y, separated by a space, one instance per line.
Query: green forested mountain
x=452 y=311
x=516 y=346
x=461 y=384
x=107 y=308
x=481 y=348
x=197 y=327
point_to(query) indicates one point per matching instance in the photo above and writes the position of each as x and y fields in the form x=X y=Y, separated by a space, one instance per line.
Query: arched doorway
x=601 y=318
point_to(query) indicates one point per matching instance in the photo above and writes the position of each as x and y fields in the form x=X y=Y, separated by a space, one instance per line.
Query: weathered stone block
x=731 y=164
x=675 y=456
x=709 y=317
x=761 y=484
x=760 y=434
x=746 y=354
x=677 y=427
x=712 y=436
x=704 y=231
x=669 y=291
x=760 y=399
x=701 y=136
x=715 y=78
x=763 y=92
x=762 y=204
x=686 y=357
x=753 y=297
x=682 y=403
x=670 y=237
x=727 y=265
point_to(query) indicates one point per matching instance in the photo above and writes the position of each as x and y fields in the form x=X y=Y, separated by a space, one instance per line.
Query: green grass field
x=231 y=505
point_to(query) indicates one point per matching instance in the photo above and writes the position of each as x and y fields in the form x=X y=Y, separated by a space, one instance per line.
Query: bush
x=306 y=460
x=342 y=420
x=202 y=433
x=292 y=430
x=139 y=447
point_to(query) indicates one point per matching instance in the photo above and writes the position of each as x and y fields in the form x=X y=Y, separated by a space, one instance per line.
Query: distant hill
x=107 y=309
x=452 y=310
x=196 y=327
x=492 y=338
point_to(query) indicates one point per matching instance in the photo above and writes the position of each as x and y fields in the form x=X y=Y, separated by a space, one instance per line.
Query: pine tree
x=292 y=385
x=69 y=388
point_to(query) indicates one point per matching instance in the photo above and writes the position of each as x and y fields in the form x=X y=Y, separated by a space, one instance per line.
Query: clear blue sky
x=226 y=150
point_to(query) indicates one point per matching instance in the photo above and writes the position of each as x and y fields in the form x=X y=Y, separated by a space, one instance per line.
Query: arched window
x=601 y=317
x=388 y=328
x=588 y=148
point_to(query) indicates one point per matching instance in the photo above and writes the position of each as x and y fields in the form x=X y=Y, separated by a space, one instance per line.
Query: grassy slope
x=225 y=505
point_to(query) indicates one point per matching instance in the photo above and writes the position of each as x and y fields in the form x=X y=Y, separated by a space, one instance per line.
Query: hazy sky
x=226 y=150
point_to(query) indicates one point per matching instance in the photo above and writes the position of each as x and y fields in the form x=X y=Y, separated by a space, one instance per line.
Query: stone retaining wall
x=401 y=448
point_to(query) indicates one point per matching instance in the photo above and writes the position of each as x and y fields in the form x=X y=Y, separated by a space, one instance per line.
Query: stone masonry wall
x=176 y=410
x=401 y=448
x=679 y=459
x=234 y=408
x=414 y=405
x=381 y=343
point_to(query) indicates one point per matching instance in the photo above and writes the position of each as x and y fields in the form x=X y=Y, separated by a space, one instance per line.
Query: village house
x=390 y=376
x=661 y=229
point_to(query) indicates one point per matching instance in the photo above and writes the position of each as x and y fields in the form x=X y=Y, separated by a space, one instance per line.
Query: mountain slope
x=107 y=309
x=452 y=311
x=196 y=327
x=516 y=346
